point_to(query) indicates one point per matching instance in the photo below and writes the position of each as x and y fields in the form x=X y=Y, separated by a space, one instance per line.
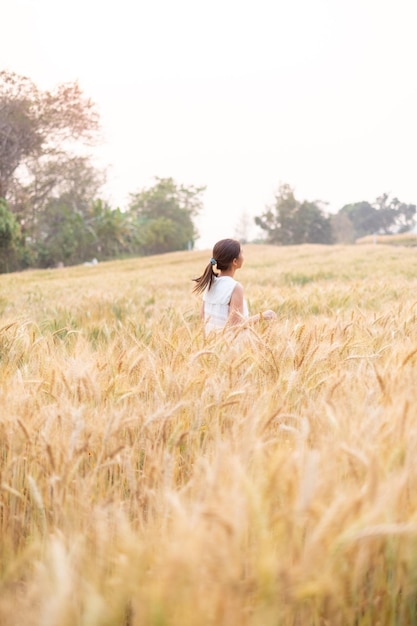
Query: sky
x=238 y=96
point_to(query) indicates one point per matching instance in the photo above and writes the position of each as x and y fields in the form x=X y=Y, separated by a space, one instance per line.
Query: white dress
x=217 y=303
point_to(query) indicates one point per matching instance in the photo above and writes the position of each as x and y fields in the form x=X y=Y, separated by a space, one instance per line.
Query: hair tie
x=213 y=261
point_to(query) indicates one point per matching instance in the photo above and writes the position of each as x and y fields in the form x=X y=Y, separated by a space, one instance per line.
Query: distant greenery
x=163 y=215
x=52 y=212
x=289 y=221
x=385 y=216
x=10 y=239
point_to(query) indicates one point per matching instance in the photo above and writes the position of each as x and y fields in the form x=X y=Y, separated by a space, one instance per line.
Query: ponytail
x=205 y=280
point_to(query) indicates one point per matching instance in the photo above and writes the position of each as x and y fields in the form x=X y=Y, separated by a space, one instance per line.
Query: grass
x=401 y=239
x=152 y=477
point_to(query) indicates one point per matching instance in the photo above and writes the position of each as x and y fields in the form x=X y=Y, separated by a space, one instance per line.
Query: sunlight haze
x=236 y=96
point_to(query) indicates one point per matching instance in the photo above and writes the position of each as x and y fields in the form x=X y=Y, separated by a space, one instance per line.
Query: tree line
x=289 y=221
x=51 y=211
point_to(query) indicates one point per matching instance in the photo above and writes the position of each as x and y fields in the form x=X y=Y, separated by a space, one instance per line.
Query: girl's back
x=217 y=302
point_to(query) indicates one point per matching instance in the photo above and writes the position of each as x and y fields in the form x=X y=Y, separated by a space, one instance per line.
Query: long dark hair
x=224 y=252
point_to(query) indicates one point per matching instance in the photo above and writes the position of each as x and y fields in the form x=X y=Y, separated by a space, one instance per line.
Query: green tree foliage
x=384 y=216
x=115 y=232
x=10 y=240
x=70 y=236
x=290 y=221
x=64 y=237
x=67 y=210
x=164 y=215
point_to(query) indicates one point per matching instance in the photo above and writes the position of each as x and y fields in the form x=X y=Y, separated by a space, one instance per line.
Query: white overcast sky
x=236 y=95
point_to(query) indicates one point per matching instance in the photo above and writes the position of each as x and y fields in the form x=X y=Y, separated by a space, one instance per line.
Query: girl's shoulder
x=225 y=280
x=221 y=289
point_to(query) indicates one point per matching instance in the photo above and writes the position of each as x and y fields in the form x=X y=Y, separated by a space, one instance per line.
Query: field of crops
x=265 y=477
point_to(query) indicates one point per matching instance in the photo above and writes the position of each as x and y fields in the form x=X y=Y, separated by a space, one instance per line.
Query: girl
x=223 y=301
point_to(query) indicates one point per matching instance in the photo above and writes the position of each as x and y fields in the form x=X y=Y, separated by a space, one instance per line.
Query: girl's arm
x=236 y=309
x=236 y=306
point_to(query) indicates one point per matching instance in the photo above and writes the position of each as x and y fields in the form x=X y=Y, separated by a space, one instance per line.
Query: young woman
x=223 y=300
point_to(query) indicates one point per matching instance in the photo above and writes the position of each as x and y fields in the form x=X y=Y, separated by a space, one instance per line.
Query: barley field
x=264 y=477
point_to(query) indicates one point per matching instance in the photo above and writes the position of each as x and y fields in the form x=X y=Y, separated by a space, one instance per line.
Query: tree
x=66 y=193
x=384 y=216
x=164 y=215
x=363 y=217
x=10 y=239
x=64 y=237
x=289 y=221
x=398 y=216
x=71 y=236
x=115 y=231
x=42 y=133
